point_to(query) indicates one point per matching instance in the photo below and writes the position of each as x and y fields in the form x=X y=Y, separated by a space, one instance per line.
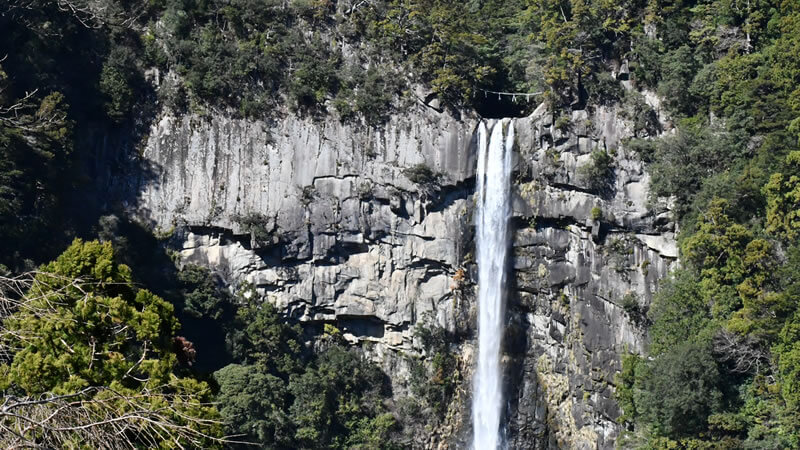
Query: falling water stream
x=493 y=212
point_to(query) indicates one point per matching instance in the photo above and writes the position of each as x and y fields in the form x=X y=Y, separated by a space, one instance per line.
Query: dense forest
x=95 y=312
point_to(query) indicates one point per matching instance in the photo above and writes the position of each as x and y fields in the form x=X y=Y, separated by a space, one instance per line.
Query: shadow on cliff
x=153 y=269
x=111 y=174
x=525 y=410
x=112 y=170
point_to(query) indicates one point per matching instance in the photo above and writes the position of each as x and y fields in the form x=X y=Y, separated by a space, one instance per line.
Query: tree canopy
x=82 y=327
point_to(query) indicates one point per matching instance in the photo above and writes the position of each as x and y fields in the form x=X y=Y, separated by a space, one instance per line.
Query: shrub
x=257 y=225
x=203 y=295
x=562 y=123
x=678 y=312
x=86 y=330
x=307 y=195
x=680 y=391
x=598 y=171
x=597 y=213
x=630 y=304
x=435 y=385
x=119 y=82
x=421 y=174
x=679 y=163
x=678 y=68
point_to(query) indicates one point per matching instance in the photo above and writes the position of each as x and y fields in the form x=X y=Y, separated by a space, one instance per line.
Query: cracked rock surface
x=371 y=229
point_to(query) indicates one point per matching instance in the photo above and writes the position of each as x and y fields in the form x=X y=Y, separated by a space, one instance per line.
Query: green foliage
x=254 y=402
x=678 y=313
x=118 y=82
x=628 y=383
x=788 y=355
x=435 y=383
x=337 y=401
x=631 y=306
x=678 y=68
x=679 y=391
x=35 y=145
x=202 y=295
x=783 y=199
x=680 y=163
x=730 y=313
x=562 y=123
x=596 y=213
x=87 y=325
x=644 y=118
x=65 y=71
x=445 y=41
x=727 y=73
x=259 y=335
x=421 y=174
x=278 y=394
x=314 y=79
x=367 y=93
x=598 y=171
x=717 y=248
x=257 y=225
x=232 y=56
x=92 y=338
x=575 y=34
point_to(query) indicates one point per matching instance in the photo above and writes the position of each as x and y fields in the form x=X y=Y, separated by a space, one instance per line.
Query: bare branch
x=99 y=417
x=94 y=417
x=743 y=352
x=356 y=5
x=90 y=14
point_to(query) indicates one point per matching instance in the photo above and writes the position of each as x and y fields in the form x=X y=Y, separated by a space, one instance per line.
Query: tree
x=598 y=172
x=118 y=82
x=783 y=199
x=678 y=67
x=678 y=313
x=280 y=395
x=628 y=383
x=79 y=334
x=35 y=142
x=255 y=403
x=717 y=250
x=202 y=295
x=788 y=356
x=680 y=390
x=254 y=396
x=259 y=335
x=337 y=403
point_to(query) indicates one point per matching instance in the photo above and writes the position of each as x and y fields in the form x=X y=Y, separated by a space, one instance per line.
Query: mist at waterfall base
x=493 y=212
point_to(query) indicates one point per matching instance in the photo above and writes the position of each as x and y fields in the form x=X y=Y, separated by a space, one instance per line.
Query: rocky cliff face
x=588 y=256
x=332 y=223
x=371 y=229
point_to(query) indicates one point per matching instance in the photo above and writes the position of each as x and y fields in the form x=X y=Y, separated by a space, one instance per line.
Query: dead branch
x=19 y=106
x=99 y=417
x=743 y=352
x=28 y=116
x=356 y=5
x=90 y=14
x=94 y=417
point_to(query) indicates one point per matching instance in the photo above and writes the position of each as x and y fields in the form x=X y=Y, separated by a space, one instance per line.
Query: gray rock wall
x=582 y=255
x=324 y=219
x=328 y=223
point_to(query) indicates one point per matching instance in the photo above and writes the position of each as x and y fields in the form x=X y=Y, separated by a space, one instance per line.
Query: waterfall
x=493 y=212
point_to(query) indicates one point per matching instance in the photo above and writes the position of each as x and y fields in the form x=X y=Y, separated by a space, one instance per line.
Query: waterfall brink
x=493 y=212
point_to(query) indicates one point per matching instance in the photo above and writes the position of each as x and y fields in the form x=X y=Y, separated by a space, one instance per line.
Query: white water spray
x=494 y=210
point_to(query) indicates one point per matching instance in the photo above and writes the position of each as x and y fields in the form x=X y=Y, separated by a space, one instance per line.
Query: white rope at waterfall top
x=513 y=95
